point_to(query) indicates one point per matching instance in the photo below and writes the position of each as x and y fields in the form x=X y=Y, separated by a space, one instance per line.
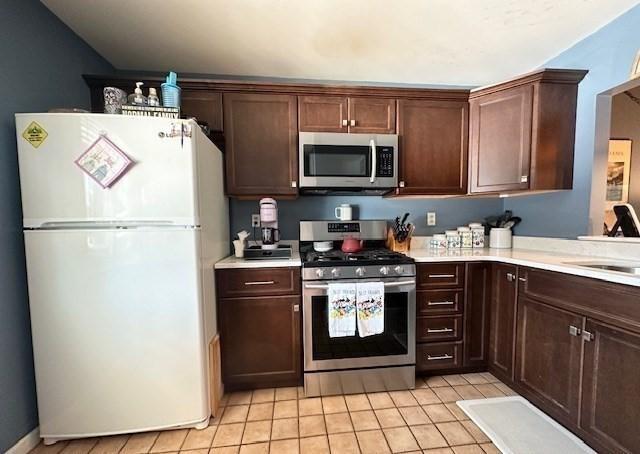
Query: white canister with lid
x=438 y=241
x=500 y=238
x=453 y=239
x=477 y=234
x=466 y=240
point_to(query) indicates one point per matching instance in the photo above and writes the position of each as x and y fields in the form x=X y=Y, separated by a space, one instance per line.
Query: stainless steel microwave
x=348 y=162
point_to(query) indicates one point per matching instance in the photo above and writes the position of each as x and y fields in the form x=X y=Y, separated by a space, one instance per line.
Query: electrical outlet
x=255 y=220
x=431 y=218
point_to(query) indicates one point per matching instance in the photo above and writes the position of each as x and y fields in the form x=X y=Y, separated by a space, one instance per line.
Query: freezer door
x=117 y=330
x=158 y=187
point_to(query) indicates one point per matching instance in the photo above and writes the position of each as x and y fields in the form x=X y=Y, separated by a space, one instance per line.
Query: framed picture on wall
x=618 y=170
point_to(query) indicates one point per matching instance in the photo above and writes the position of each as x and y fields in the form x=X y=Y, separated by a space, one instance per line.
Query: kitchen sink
x=633 y=268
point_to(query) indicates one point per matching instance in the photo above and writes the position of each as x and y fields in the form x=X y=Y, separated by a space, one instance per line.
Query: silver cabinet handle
x=524 y=179
x=374 y=158
x=345 y=122
x=574 y=331
x=352 y=123
x=511 y=277
x=441 y=276
x=386 y=284
x=439 y=330
x=522 y=279
x=401 y=184
x=294 y=184
x=440 y=303
x=439 y=357
x=587 y=336
x=260 y=283
x=296 y=308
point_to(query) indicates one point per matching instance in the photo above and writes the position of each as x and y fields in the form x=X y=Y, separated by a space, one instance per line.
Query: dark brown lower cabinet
x=549 y=356
x=477 y=314
x=260 y=341
x=503 y=319
x=611 y=387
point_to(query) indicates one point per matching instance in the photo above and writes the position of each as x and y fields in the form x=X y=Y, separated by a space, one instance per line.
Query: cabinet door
x=611 y=394
x=500 y=148
x=323 y=113
x=260 y=341
x=477 y=314
x=372 y=115
x=206 y=106
x=433 y=146
x=548 y=357
x=503 y=319
x=260 y=142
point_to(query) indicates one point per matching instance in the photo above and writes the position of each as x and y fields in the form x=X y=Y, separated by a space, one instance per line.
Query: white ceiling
x=453 y=42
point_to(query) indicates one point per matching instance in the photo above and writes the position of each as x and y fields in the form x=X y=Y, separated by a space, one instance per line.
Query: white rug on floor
x=517 y=427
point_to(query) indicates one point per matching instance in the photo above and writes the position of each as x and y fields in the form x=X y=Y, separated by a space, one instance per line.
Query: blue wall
x=607 y=54
x=42 y=63
x=449 y=212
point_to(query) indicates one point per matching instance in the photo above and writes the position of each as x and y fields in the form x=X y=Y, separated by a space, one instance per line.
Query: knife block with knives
x=399 y=235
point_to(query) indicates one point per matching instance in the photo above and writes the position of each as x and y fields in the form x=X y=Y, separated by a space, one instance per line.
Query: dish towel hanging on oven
x=370 y=308
x=342 y=309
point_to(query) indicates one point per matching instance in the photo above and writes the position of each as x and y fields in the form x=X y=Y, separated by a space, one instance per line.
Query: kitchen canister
x=438 y=241
x=114 y=99
x=466 y=240
x=453 y=239
x=477 y=234
x=500 y=238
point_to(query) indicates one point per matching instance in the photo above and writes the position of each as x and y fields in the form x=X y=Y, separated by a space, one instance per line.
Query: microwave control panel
x=384 y=162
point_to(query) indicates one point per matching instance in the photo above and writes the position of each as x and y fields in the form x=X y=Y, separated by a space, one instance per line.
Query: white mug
x=344 y=212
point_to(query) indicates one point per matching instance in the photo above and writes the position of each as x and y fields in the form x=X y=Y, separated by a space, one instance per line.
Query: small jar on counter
x=477 y=233
x=453 y=239
x=466 y=240
x=438 y=241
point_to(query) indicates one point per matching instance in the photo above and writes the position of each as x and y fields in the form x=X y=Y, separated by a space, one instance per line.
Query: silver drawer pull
x=439 y=330
x=437 y=358
x=386 y=284
x=260 y=283
x=440 y=303
x=441 y=276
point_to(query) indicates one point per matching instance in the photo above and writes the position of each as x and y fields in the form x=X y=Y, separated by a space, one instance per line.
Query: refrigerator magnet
x=104 y=161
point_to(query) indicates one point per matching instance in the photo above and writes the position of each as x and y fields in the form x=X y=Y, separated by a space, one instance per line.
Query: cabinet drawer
x=443 y=355
x=440 y=275
x=431 y=329
x=235 y=283
x=437 y=302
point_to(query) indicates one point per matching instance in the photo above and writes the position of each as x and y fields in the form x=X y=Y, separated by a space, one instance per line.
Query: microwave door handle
x=374 y=158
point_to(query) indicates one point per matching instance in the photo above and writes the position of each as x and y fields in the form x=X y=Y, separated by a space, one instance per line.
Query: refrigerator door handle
x=68 y=225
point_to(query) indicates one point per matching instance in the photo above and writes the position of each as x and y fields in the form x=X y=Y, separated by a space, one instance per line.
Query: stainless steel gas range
x=354 y=364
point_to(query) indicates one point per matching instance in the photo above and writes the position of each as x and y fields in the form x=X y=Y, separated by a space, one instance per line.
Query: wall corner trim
x=26 y=443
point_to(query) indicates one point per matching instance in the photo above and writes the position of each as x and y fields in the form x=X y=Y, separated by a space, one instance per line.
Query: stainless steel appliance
x=353 y=364
x=335 y=162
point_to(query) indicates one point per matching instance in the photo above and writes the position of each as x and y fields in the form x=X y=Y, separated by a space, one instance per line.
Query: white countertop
x=552 y=261
x=235 y=262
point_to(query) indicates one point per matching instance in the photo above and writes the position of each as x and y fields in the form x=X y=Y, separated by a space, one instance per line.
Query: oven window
x=337 y=160
x=393 y=341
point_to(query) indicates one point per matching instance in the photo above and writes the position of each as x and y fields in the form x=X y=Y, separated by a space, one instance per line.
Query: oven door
x=336 y=160
x=394 y=347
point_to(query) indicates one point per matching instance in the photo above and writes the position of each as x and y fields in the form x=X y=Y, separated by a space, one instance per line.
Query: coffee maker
x=269 y=235
x=269 y=231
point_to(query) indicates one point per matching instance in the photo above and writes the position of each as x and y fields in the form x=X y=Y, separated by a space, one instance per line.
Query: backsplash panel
x=449 y=212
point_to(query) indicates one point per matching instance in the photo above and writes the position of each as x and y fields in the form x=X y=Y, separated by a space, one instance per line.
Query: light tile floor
x=283 y=421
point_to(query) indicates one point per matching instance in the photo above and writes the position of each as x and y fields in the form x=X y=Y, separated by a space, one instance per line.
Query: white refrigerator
x=121 y=289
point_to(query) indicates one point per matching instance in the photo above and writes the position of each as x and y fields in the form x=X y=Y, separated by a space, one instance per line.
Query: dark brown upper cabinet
x=260 y=144
x=323 y=114
x=205 y=105
x=345 y=114
x=433 y=143
x=523 y=132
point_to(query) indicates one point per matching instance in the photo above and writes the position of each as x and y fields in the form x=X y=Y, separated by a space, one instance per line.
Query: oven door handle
x=386 y=284
x=374 y=159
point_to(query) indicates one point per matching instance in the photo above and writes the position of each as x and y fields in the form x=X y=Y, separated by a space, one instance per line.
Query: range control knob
x=384 y=270
x=320 y=273
x=359 y=272
x=399 y=269
x=335 y=272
